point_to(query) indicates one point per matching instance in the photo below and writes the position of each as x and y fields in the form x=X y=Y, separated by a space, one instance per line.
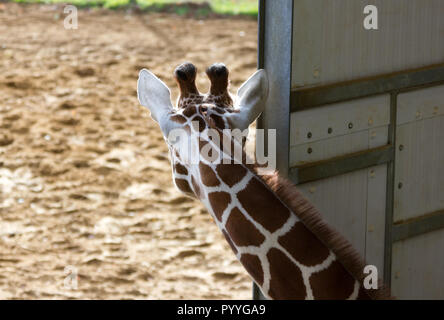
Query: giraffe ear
x=250 y=100
x=155 y=95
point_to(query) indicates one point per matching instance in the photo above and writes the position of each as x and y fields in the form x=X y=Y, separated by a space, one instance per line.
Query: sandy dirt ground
x=85 y=182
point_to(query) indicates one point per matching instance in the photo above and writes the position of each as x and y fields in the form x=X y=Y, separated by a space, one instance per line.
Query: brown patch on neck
x=184 y=186
x=242 y=231
x=231 y=173
x=208 y=176
x=253 y=266
x=219 y=201
x=331 y=283
x=263 y=205
x=180 y=169
x=303 y=245
x=286 y=278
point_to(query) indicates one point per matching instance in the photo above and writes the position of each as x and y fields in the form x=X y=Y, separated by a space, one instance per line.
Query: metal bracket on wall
x=307 y=98
x=417 y=226
x=340 y=165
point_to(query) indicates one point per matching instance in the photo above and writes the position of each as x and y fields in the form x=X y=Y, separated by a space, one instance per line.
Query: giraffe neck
x=284 y=257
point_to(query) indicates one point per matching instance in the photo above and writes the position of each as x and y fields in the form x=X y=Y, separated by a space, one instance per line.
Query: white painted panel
x=329 y=148
x=418 y=267
x=342 y=200
x=376 y=204
x=330 y=43
x=341 y=145
x=378 y=137
x=354 y=203
x=362 y=114
x=419 y=168
x=420 y=104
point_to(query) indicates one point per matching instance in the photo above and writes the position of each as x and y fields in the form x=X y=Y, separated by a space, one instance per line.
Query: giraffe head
x=199 y=120
x=247 y=106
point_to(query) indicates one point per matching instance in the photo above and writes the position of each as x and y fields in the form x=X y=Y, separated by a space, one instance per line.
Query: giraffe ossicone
x=277 y=235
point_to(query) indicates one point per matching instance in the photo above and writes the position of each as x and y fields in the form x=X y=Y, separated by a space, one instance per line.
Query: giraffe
x=289 y=251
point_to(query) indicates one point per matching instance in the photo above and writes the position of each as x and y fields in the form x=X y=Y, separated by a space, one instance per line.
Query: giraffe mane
x=290 y=196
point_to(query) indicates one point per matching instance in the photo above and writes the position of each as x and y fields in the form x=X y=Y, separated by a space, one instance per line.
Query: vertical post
x=275 y=40
x=388 y=243
x=277 y=51
x=257 y=294
x=261 y=34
